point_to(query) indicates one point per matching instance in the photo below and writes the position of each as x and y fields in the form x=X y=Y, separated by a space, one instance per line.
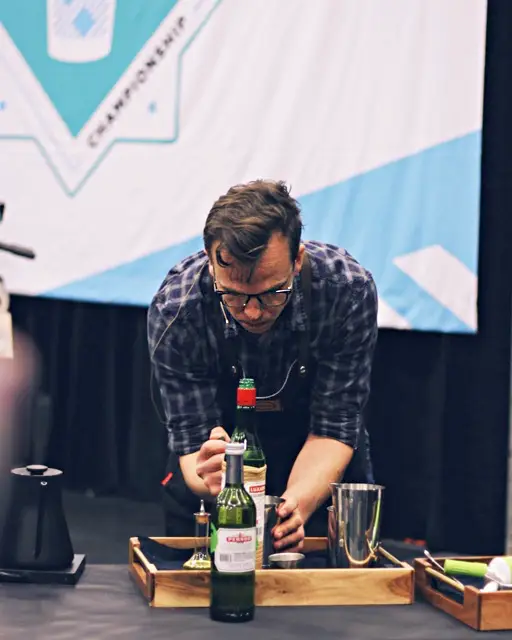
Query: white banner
x=121 y=121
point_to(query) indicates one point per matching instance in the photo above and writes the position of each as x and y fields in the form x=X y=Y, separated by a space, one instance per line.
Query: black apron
x=283 y=426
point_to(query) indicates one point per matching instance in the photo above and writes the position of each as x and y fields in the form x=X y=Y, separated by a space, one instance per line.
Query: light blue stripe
x=428 y=198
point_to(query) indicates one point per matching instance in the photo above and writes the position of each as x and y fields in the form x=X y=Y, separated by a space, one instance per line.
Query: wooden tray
x=483 y=611
x=276 y=587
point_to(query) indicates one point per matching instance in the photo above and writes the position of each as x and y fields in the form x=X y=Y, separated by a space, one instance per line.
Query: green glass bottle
x=233 y=545
x=246 y=431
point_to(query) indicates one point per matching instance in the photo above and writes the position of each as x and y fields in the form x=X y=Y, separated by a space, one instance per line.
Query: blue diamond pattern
x=135 y=23
x=83 y=22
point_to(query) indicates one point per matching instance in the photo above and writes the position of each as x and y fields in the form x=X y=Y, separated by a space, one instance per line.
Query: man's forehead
x=272 y=266
x=254 y=275
x=259 y=276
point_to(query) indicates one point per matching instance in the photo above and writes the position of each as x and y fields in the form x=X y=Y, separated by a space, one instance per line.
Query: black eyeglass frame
x=247 y=296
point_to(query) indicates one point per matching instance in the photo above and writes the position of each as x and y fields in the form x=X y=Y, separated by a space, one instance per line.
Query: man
x=299 y=318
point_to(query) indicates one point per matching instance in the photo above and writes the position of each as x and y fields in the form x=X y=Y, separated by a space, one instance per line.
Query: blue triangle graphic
x=428 y=198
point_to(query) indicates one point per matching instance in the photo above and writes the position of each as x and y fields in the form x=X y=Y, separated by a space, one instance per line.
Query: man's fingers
x=288 y=526
x=219 y=433
x=287 y=507
x=213 y=464
x=292 y=542
x=289 y=533
x=214 y=483
x=211 y=448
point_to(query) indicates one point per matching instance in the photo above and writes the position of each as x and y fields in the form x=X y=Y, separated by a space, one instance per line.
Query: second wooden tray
x=479 y=610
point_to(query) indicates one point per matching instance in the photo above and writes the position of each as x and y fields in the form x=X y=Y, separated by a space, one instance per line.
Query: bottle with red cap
x=246 y=431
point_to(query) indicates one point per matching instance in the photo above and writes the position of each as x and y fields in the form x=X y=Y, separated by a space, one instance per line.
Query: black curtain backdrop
x=439 y=410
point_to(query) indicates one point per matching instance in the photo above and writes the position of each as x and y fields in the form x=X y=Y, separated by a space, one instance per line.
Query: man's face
x=274 y=271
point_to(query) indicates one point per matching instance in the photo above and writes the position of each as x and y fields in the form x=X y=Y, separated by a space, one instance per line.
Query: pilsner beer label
x=235 y=550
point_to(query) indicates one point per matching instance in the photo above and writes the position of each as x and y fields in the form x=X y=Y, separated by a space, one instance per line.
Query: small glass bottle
x=200 y=559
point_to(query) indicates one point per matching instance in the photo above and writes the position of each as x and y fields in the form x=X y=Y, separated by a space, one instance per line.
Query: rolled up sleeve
x=342 y=385
x=187 y=386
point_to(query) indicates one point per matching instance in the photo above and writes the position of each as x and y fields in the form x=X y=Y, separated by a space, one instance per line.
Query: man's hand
x=289 y=534
x=210 y=459
x=321 y=461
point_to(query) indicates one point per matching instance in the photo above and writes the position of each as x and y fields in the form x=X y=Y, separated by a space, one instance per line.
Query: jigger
x=271 y=519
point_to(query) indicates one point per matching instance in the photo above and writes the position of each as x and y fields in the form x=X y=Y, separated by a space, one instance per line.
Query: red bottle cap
x=246 y=397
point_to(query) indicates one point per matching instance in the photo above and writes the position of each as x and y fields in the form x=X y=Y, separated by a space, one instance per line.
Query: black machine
x=35 y=545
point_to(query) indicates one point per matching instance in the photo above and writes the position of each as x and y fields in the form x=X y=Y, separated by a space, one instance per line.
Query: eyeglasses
x=276 y=298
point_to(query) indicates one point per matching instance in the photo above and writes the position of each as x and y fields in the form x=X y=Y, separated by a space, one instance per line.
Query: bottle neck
x=246 y=420
x=246 y=430
x=234 y=470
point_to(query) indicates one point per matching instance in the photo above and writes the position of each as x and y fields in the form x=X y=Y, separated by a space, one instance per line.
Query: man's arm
x=320 y=462
x=187 y=387
x=339 y=395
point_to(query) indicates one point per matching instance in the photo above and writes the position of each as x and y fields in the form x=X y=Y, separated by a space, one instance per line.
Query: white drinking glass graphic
x=80 y=30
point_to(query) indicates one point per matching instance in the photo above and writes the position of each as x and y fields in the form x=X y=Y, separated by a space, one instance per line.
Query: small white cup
x=80 y=31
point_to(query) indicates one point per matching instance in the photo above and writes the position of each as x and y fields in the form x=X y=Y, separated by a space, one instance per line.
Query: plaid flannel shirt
x=343 y=332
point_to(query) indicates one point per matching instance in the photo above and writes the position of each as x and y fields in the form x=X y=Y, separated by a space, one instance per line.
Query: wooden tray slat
x=275 y=587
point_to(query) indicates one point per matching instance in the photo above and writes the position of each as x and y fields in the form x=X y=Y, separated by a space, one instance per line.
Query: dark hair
x=244 y=219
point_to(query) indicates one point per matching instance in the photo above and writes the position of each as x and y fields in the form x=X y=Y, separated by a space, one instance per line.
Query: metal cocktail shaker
x=354 y=524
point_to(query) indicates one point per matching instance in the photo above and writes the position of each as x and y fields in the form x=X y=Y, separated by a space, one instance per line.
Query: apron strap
x=305 y=279
x=228 y=360
x=228 y=353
